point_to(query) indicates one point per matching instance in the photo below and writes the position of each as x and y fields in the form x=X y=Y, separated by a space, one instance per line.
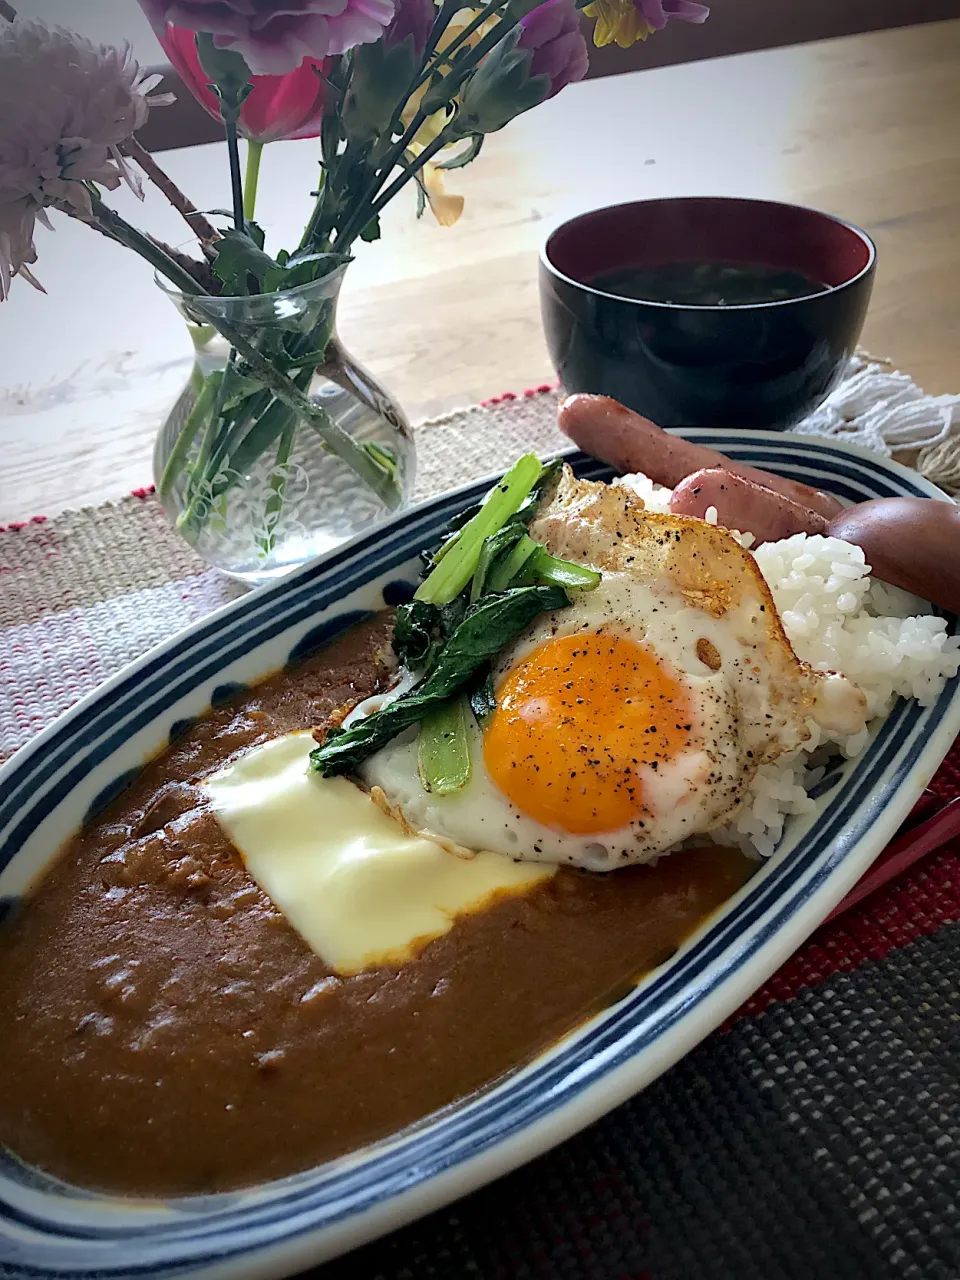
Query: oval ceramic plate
x=49 y=1229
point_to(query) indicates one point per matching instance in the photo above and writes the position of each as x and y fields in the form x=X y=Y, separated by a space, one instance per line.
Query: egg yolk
x=574 y=721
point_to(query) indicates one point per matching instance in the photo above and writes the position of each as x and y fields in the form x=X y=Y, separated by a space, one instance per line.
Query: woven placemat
x=816 y=1135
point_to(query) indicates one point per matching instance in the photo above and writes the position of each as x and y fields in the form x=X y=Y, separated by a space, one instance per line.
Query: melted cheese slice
x=355 y=886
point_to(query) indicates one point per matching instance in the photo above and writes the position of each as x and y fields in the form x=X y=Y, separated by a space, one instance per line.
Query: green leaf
x=253 y=229
x=304 y=268
x=240 y=386
x=381 y=79
x=464 y=157
x=239 y=259
x=457 y=567
x=229 y=74
x=371 y=231
x=452 y=614
x=444 y=748
x=416 y=634
x=486 y=628
x=308 y=358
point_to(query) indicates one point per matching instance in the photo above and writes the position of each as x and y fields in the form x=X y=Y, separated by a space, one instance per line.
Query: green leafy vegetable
x=483 y=701
x=456 y=568
x=487 y=627
x=563 y=573
x=487 y=581
x=550 y=472
x=494 y=546
x=505 y=572
x=444 y=749
x=416 y=633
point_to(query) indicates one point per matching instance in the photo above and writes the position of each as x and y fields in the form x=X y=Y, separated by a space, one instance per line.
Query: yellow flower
x=445 y=208
x=617 y=20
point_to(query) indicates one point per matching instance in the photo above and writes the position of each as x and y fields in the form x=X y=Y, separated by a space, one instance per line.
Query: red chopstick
x=902 y=853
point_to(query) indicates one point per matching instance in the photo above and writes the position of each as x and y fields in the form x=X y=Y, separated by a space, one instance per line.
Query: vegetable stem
x=457 y=567
x=178 y=455
x=444 y=748
x=563 y=573
x=504 y=574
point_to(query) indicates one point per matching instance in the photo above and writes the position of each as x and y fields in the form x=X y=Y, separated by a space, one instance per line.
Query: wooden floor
x=865 y=127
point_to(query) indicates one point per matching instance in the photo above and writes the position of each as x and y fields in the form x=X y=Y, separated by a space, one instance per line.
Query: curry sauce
x=165 y=1031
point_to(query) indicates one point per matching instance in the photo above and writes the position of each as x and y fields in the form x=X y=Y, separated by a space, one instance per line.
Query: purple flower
x=274 y=39
x=659 y=12
x=552 y=33
x=412 y=18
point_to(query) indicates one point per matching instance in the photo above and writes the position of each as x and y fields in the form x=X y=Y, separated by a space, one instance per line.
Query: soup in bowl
x=706 y=311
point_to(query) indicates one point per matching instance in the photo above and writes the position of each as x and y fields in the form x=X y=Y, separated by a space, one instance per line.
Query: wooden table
x=865 y=127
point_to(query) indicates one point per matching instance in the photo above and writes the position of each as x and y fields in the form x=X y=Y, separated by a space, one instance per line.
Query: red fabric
x=527 y=393
x=16 y=525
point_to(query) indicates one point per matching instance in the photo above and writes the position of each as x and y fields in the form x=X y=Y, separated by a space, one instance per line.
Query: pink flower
x=552 y=32
x=275 y=38
x=66 y=105
x=535 y=60
x=277 y=108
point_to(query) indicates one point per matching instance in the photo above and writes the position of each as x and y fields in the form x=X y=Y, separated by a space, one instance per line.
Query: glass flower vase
x=253 y=485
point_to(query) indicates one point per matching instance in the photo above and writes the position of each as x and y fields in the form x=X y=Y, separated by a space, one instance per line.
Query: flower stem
x=198 y=224
x=251 y=178
x=409 y=172
x=446 y=55
x=436 y=98
x=233 y=152
x=447 y=88
x=361 y=215
x=188 y=431
x=111 y=222
x=213 y=423
x=381 y=479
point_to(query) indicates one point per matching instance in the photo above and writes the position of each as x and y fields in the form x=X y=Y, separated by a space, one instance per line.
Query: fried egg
x=638 y=716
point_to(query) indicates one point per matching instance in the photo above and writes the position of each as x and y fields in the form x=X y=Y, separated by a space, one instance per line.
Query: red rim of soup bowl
x=789 y=237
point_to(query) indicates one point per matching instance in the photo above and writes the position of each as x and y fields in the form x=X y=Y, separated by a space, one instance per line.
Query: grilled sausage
x=912 y=543
x=742 y=504
x=609 y=431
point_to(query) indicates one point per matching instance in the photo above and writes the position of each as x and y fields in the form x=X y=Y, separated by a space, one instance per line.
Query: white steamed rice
x=837 y=618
